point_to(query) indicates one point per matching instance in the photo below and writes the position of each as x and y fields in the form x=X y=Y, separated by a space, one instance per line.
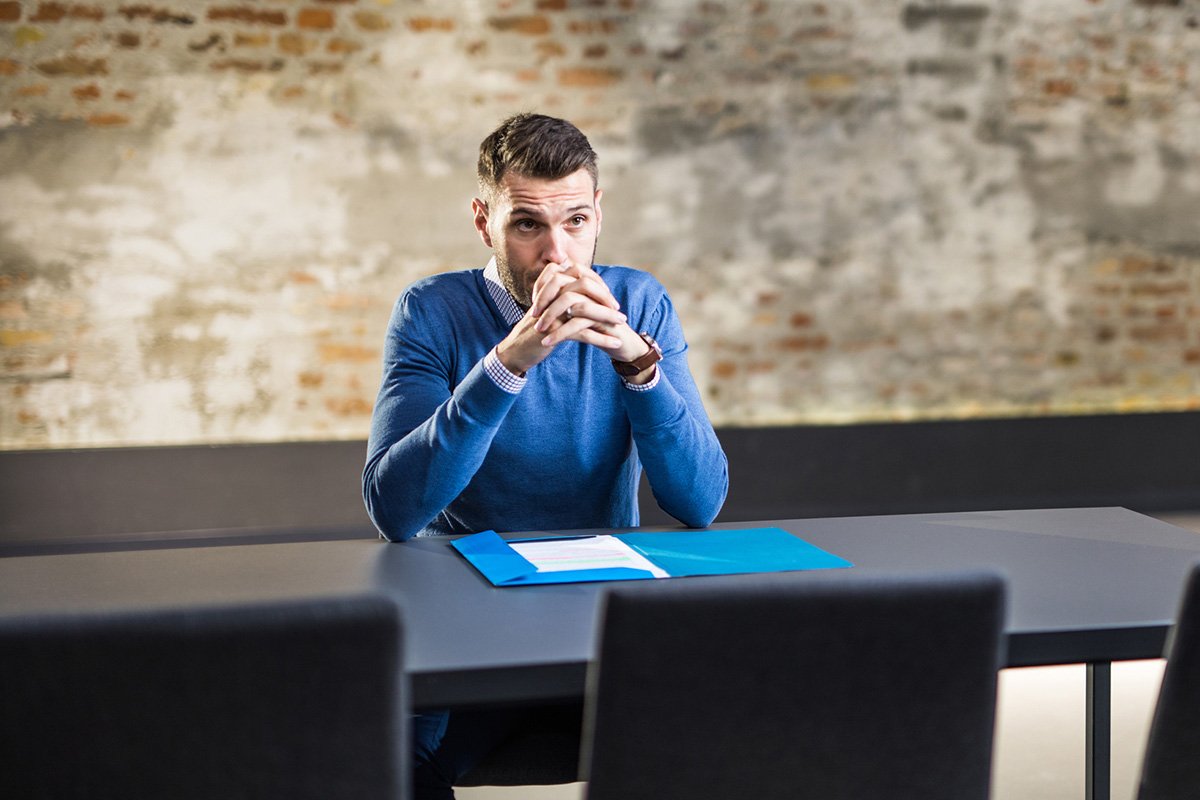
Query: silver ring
x=570 y=314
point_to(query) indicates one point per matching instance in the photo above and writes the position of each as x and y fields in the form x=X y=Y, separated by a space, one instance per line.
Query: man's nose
x=554 y=248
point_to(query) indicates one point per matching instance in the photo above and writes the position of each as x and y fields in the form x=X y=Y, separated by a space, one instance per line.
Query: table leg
x=1098 y=760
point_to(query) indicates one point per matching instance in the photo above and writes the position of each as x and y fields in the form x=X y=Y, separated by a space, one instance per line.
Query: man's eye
x=526 y=225
x=578 y=220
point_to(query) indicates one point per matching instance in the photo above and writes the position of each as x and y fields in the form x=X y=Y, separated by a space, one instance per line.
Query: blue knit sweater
x=452 y=452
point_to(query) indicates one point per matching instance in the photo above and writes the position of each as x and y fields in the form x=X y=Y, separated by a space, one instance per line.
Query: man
x=529 y=395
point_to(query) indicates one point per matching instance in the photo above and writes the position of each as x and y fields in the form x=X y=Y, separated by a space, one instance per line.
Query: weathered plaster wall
x=864 y=210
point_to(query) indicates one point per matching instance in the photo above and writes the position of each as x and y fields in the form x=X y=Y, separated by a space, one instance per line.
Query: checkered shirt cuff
x=503 y=377
x=644 y=387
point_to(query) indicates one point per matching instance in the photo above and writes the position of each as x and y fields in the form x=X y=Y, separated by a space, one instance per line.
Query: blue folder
x=678 y=553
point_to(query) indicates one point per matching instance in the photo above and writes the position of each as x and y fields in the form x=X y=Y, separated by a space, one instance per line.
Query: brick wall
x=864 y=211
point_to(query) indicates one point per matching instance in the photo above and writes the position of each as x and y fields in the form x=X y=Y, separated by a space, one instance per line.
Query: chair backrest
x=796 y=686
x=298 y=699
x=1171 y=766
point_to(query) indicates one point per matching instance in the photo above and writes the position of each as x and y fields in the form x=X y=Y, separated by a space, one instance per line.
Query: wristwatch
x=627 y=369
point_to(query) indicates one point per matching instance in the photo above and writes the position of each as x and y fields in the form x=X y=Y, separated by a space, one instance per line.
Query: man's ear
x=479 y=210
x=599 y=213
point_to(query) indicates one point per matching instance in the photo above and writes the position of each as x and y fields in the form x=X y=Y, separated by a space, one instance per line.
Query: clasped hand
x=569 y=303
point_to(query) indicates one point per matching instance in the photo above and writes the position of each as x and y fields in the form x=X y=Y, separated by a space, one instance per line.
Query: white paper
x=591 y=552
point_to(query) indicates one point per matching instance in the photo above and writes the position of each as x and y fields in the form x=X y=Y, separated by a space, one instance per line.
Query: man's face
x=532 y=222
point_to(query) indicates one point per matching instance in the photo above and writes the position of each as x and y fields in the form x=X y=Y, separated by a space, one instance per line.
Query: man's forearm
x=684 y=462
x=411 y=476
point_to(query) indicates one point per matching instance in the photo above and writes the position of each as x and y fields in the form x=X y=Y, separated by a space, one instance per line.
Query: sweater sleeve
x=684 y=462
x=428 y=436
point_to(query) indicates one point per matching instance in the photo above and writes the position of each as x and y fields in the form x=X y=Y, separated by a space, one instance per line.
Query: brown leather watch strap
x=628 y=369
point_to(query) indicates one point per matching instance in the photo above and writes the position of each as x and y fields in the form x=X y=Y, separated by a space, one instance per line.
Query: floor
x=1039 y=730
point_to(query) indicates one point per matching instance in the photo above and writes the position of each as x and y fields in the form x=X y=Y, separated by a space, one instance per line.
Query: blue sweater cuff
x=658 y=405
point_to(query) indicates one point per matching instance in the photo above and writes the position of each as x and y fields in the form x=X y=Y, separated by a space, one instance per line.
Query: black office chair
x=1171 y=767
x=281 y=700
x=796 y=686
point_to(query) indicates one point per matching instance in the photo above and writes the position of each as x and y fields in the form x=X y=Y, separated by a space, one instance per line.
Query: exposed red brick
x=338 y=2
x=9 y=67
x=10 y=11
x=349 y=406
x=1137 y=265
x=249 y=16
x=1060 y=87
x=325 y=67
x=595 y=51
x=107 y=120
x=371 y=21
x=73 y=65
x=1192 y=356
x=315 y=19
x=829 y=82
x=549 y=49
x=161 y=16
x=27 y=417
x=295 y=44
x=1164 y=332
x=13 y=309
x=124 y=96
x=532 y=25
x=49 y=12
x=128 y=40
x=56 y=12
x=246 y=65
x=593 y=26
x=800 y=320
x=310 y=380
x=34 y=90
x=251 y=39
x=528 y=75
x=423 y=24
x=339 y=45
x=724 y=369
x=1180 y=288
x=86 y=93
x=330 y=353
x=211 y=41
x=552 y=5
x=589 y=76
x=802 y=343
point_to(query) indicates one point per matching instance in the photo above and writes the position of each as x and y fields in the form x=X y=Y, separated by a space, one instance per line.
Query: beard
x=522 y=292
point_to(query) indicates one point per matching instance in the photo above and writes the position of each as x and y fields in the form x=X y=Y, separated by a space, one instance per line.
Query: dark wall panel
x=164 y=496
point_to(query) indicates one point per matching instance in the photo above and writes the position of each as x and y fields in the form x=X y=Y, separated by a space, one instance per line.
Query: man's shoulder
x=436 y=299
x=445 y=283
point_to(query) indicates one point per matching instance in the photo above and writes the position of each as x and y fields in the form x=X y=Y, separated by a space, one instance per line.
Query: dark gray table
x=1085 y=586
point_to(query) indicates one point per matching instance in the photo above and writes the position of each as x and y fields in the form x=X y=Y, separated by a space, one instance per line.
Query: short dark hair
x=535 y=146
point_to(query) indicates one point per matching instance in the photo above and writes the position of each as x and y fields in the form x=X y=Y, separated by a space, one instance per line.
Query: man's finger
x=580 y=330
x=550 y=283
x=581 y=307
